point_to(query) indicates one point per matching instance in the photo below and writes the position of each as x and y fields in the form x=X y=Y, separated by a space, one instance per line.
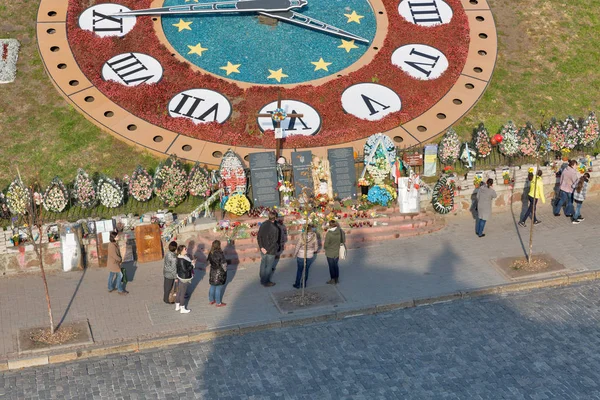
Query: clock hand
x=220 y=7
x=303 y=20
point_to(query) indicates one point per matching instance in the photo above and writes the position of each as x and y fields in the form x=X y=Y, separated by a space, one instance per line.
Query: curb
x=290 y=321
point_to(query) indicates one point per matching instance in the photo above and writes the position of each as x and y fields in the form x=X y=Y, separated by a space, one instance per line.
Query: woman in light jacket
x=485 y=196
x=113 y=265
x=306 y=247
x=185 y=273
x=536 y=192
x=169 y=270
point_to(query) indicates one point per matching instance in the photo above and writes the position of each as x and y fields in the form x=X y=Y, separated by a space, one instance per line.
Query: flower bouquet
x=510 y=140
x=363 y=182
x=527 y=140
x=170 y=182
x=589 y=130
x=279 y=115
x=109 y=193
x=140 y=184
x=556 y=135
x=237 y=204
x=84 y=190
x=572 y=134
x=477 y=181
x=199 y=181
x=506 y=177
x=482 y=142
x=56 y=196
x=379 y=195
x=285 y=187
x=17 y=197
x=449 y=148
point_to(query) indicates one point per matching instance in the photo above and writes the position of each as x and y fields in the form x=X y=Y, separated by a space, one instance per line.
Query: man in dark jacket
x=269 y=236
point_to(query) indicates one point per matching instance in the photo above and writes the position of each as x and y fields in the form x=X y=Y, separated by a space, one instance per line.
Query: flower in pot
x=506 y=177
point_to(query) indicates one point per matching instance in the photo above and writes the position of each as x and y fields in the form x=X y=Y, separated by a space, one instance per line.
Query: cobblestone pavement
x=543 y=344
x=424 y=266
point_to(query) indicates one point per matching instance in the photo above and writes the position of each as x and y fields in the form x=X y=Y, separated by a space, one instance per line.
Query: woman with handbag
x=185 y=273
x=306 y=247
x=113 y=265
x=218 y=274
x=170 y=273
x=335 y=249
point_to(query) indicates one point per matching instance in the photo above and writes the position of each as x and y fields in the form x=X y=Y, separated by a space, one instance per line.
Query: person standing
x=568 y=178
x=218 y=274
x=114 y=265
x=169 y=270
x=185 y=273
x=334 y=238
x=306 y=247
x=268 y=238
x=485 y=195
x=579 y=192
x=536 y=191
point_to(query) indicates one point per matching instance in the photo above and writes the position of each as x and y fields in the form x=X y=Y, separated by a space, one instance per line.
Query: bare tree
x=34 y=219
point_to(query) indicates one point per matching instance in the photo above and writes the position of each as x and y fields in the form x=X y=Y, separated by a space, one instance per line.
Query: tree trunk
x=38 y=251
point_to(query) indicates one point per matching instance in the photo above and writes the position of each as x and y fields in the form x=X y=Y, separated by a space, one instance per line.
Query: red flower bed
x=150 y=101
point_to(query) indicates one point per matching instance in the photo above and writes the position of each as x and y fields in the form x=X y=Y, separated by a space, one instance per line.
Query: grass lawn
x=549 y=52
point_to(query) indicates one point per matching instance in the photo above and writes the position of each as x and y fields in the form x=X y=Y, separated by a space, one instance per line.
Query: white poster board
x=408 y=200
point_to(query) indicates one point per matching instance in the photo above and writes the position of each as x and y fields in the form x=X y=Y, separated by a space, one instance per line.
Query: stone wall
x=513 y=193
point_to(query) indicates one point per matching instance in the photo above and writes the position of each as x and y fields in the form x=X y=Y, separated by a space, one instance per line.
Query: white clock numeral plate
x=425 y=12
x=132 y=69
x=307 y=125
x=99 y=19
x=420 y=61
x=370 y=101
x=201 y=106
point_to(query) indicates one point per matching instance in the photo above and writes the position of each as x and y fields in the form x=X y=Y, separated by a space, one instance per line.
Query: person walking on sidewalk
x=169 y=270
x=306 y=247
x=113 y=265
x=218 y=274
x=536 y=191
x=579 y=192
x=185 y=273
x=334 y=238
x=269 y=243
x=568 y=178
x=485 y=195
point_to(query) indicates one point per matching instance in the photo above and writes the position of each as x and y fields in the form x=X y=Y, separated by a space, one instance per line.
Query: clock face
x=247 y=48
x=198 y=84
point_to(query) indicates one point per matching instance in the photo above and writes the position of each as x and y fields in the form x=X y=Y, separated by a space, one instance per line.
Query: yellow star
x=230 y=68
x=354 y=17
x=182 y=25
x=347 y=45
x=321 y=64
x=197 y=49
x=277 y=74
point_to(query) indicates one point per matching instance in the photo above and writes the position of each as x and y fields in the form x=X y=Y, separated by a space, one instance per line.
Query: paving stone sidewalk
x=425 y=266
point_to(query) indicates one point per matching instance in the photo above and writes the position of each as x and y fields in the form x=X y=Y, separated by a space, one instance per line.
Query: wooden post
x=278 y=124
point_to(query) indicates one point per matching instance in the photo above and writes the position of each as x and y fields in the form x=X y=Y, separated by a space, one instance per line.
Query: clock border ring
x=78 y=91
x=380 y=34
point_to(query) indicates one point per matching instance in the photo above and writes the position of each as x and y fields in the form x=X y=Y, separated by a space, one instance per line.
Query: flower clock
x=190 y=77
